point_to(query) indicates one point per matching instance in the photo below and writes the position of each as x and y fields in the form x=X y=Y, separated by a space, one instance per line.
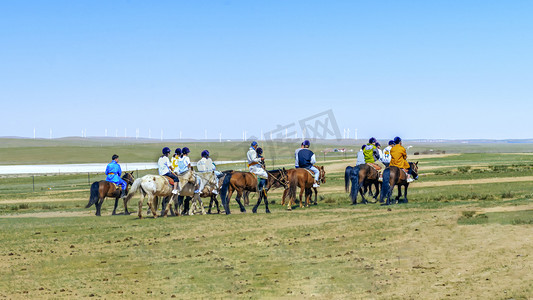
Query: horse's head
x=128 y=177
x=414 y=169
x=322 y=176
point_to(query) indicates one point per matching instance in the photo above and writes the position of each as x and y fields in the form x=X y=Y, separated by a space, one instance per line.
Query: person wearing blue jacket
x=114 y=173
x=307 y=159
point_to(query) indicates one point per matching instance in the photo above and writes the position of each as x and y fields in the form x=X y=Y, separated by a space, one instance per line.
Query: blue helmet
x=205 y=153
x=397 y=140
x=259 y=151
x=391 y=142
x=378 y=144
x=166 y=150
x=178 y=151
x=254 y=143
x=372 y=140
x=306 y=143
x=185 y=150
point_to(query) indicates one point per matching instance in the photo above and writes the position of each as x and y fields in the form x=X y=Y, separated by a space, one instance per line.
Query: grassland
x=465 y=233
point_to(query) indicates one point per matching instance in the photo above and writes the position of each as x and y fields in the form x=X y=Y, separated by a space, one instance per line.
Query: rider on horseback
x=385 y=159
x=372 y=156
x=165 y=168
x=399 y=158
x=254 y=164
x=307 y=159
x=113 y=172
x=206 y=164
x=175 y=158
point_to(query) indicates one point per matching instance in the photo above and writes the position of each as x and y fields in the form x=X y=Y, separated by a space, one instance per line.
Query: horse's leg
x=140 y=211
x=214 y=197
x=302 y=190
x=238 y=199
x=246 y=198
x=266 y=203
x=153 y=205
x=98 y=205
x=201 y=203
x=115 y=208
x=126 y=212
x=307 y=196
x=377 y=190
x=362 y=183
x=254 y=210
x=405 y=195
x=316 y=196
x=397 y=199
x=285 y=192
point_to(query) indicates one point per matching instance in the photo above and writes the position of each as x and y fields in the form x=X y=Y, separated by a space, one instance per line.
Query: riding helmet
x=178 y=151
x=372 y=140
x=378 y=144
x=166 y=150
x=391 y=143
x=114 y=157
x=185 y=150
x=205 y=153
x=254 y=143
x=306 y=143
x=397 y=140
x=259 y=151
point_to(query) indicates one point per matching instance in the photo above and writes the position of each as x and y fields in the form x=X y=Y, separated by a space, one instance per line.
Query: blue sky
x=418 y=69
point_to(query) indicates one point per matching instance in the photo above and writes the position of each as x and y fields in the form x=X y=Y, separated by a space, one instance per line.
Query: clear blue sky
x=418 y=69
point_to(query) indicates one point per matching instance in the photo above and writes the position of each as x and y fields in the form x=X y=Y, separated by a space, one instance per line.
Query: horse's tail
x=293 y=186
x=385 y=186
x=95 y=187
x=354 y=177
x=134 y=188
x=347 y=174
x=224 y=191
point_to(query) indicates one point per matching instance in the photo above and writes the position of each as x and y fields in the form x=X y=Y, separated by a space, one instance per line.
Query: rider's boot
x=123 y=194
x=409 y=178
x=315 y=185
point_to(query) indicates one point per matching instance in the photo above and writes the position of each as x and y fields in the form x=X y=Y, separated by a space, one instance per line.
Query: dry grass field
x=463 y=235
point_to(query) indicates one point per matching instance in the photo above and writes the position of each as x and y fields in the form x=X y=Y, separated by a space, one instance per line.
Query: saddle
x=170 y=180
x=310 y=172
x=404 y=174
x=375 y=166
x=117 y=187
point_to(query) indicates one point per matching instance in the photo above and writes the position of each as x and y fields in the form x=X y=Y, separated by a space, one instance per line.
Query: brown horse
x=102 y=189
x=361 y=176
x=304 y=179
x=246 y=181
x=394 y=176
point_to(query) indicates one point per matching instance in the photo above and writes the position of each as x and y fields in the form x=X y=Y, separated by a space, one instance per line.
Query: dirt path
x=473 y=181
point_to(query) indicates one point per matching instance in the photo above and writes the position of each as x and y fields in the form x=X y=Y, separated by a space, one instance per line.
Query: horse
x=304 y=179
x=187 y=186
x=394 y=176
x=152 y=187
x=361 y=176
x=246 y=181
x=102 y=189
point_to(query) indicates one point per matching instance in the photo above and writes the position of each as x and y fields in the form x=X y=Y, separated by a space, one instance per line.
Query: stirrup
x=174 y=192
x=380 y=179
x=315 y=185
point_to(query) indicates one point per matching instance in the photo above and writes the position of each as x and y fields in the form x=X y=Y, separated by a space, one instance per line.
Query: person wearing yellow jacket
x=399 y=158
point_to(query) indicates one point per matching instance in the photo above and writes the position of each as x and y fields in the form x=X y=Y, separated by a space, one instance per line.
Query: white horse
x=191 y=182
x=152 y=187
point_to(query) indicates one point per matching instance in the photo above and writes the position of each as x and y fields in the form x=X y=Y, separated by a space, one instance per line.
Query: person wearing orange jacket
x=399 y=158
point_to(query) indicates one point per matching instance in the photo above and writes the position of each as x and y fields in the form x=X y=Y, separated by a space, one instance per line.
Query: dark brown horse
x=246 y=181
x=362 y=177
x=102 y=189
x=394 y=176
x=303 y=179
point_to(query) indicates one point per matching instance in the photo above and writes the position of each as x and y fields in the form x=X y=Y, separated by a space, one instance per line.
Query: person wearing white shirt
x=255 y=167
x=165 y=168
x=360 y=157
x=386 y=157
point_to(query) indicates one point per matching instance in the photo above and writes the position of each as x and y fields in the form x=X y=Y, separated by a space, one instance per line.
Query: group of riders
x=180 y=163
x=393 y=155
